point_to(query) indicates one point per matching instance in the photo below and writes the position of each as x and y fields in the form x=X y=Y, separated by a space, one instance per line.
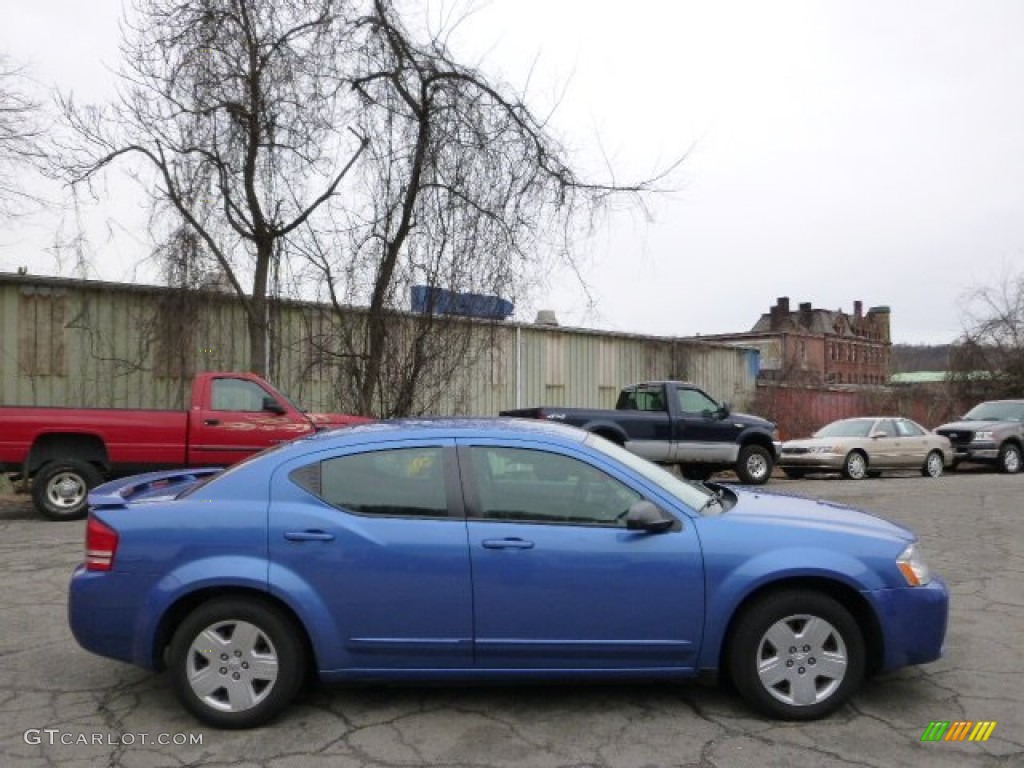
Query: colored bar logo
x=958 y=730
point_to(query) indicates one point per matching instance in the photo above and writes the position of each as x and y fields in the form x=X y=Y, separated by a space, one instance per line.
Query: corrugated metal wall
x=80 y=343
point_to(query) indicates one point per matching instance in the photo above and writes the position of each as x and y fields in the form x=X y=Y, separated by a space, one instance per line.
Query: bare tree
x=988 y=360
x=462 y=187
x=21 y=131
x=327 y=130
x=231 y=113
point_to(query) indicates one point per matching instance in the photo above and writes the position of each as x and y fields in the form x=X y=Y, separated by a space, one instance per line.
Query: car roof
x=873 y=418
x=428 y=427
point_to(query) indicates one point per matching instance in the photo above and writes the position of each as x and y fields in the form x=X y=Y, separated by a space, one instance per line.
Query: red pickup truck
x=67 y=451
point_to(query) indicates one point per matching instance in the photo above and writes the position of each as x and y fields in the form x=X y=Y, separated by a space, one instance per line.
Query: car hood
x=814 y=442
x=789 y=510
x=974 y=426
x=748 y=420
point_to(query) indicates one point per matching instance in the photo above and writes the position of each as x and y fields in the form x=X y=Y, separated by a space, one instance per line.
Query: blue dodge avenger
x=490 y=550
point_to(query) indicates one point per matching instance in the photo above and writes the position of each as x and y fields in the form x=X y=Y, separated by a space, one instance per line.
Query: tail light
x=100 y=545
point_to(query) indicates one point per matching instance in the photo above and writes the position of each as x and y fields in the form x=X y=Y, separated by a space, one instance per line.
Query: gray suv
x=990 y=433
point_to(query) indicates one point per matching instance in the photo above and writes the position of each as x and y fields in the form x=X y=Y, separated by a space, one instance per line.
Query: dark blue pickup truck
x=674 y=422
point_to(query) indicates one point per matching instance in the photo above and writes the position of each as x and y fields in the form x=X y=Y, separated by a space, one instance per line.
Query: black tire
x=855 y=466
x=1009 y=459
x=754 y=465
x=793 y=474
x=268 y=640
x=933 y=464
x=695 y=472
x=827 y=665
x=60 y=489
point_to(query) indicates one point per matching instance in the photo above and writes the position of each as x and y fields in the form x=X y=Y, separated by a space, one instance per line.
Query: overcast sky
x=837 y=151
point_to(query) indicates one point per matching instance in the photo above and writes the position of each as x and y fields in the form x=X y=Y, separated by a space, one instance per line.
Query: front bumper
x=981 y=452
x=913 y=622
x=823 y=461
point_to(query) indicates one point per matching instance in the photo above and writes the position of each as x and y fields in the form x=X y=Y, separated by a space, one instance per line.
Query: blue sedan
x=490 y=550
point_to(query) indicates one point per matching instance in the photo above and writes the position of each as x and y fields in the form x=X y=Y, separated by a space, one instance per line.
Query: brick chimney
x=806 y=316
x=779 y=314
x=858 y=309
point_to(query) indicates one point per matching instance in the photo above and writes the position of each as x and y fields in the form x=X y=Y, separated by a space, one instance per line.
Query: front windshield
x=846 y=428
x=691 y=494
x=997 y=411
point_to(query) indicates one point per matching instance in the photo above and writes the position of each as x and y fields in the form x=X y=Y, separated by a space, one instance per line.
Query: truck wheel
x=796 y=655
x=1009 y=459
x=691 y=472
x=754 y=465
x=236 y=663
x=60 y=488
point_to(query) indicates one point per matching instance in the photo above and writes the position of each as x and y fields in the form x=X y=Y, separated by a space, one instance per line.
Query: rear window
x=402 y=482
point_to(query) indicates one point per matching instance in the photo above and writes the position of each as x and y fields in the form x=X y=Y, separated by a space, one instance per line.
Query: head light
x=913 y=567
x=985 y=434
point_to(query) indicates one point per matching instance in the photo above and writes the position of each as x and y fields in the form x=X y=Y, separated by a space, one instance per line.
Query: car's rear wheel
x=236 y=663
x=855 y=466
x=796 y=655
x=933 y=464
x=1009 y=459
x=754 y=465
x=60 y=489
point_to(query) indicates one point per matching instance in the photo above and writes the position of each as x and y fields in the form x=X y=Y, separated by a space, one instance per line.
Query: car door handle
x=309 y=536
x=507 y=544
x=211 y=422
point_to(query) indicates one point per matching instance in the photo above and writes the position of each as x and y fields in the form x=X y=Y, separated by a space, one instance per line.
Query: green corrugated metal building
x=68 y=342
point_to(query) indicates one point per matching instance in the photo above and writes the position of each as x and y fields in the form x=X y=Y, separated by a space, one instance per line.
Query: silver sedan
x=864 y=447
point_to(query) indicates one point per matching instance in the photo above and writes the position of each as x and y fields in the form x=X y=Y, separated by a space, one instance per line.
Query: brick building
x=820 y=346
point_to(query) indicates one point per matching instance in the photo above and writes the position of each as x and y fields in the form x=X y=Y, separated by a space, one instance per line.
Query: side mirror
x=724 y=410
x=272 y=406
x=645 y=516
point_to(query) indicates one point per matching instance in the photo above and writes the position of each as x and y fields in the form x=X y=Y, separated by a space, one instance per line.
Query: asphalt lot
x=61 y=705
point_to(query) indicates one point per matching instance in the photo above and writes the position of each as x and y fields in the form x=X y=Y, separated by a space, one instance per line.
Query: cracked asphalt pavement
x=62 y=706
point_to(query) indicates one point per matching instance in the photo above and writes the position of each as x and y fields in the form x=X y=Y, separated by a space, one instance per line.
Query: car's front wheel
x=236 y=663
x=754 y=465
x=933 y=465
x=796 y=655
x=855 y=466
x=1009 y=459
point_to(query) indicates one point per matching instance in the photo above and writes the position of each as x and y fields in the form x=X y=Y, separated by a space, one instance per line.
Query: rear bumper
x=913 y=622
x=103 y=614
